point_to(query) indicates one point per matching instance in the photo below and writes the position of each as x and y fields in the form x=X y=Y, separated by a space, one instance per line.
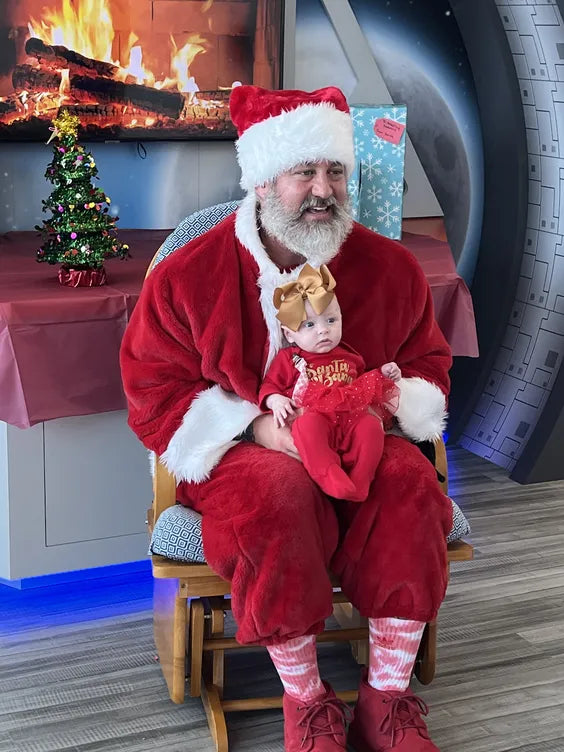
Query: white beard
x=318 y=242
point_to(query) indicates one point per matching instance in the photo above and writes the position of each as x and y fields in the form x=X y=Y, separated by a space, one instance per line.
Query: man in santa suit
x=193 y=358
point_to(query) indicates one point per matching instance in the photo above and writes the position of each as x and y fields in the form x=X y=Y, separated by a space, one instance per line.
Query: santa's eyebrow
x=313 y=163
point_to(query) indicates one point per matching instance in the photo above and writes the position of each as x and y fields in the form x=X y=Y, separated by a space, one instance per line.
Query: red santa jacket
x=204 y=332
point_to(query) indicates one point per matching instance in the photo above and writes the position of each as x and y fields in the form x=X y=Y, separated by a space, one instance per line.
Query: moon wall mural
x=421 y=57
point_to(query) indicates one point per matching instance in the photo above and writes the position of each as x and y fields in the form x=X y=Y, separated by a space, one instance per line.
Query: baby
x=336 y=408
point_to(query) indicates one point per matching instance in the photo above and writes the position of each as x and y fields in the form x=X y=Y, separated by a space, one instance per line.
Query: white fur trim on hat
x=421 y=412
x=308 y=133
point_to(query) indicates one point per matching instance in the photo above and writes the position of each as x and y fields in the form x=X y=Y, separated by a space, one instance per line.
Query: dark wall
x=505 y=197
x=543 y=457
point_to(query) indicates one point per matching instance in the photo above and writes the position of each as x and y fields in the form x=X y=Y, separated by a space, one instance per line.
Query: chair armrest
x=164 y=490
x=441 y=464
x=460 y=551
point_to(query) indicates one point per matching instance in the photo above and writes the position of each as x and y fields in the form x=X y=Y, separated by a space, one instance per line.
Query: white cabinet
x=74 y=493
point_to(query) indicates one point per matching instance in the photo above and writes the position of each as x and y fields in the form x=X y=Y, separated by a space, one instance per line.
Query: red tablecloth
x=59 y=345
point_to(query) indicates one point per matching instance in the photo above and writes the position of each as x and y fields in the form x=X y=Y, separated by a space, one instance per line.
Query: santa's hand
x=282 y=408
x=391 y=371
x=269 y=435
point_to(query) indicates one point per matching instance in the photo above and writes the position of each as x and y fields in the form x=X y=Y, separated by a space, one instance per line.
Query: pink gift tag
x=389 y=130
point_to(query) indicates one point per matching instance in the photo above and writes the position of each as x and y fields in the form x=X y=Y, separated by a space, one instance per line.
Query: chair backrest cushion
x=193 y=226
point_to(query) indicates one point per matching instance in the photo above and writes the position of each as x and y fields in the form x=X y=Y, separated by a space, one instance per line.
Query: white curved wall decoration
x=533 y=347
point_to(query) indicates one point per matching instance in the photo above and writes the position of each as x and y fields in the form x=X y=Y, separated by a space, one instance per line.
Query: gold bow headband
x=313 y=285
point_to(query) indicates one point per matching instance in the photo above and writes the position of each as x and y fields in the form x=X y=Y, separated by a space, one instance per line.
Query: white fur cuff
x=421 y=412
x=206 y=433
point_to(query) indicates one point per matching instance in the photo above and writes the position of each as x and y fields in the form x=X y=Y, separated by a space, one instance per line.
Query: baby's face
x=319 y=333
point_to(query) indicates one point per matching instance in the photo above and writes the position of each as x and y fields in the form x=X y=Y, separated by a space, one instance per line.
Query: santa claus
x=193 y=357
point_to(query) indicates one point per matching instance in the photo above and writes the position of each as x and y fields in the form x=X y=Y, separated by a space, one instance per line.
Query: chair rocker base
x=189 y=617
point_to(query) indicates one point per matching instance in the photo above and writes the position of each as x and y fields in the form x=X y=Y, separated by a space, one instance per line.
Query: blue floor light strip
x=96 y=573
x=90 y=598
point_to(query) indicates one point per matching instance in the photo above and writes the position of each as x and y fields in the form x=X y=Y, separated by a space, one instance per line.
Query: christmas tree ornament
x=72 y=170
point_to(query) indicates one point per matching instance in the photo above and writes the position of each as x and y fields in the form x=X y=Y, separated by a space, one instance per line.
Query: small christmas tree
x=81 y=234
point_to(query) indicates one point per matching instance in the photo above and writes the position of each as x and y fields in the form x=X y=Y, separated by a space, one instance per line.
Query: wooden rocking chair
x=189 y=608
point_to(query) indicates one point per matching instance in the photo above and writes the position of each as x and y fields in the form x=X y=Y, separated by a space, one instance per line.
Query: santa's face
x=307 y=210
x=320 y=332
x=313 y=190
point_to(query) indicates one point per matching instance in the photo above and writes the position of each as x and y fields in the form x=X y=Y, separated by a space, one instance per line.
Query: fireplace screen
x=133 y=69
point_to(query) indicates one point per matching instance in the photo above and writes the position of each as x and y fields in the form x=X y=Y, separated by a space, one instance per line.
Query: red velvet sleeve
x=280 y=377
x=160 y=366
x=425 y=352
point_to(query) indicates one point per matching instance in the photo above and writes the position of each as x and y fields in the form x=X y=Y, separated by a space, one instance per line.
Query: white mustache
x=317 y=203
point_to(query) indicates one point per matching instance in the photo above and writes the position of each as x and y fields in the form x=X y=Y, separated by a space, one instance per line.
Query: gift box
x=376 y=187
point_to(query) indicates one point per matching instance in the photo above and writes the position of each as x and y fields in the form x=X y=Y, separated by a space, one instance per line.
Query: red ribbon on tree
x=82 y=277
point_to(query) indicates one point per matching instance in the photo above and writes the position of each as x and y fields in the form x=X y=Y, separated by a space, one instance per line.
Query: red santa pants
x=340 y=452
x=270 y=531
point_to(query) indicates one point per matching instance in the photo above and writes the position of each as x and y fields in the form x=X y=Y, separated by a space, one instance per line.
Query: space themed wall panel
x=531 y=354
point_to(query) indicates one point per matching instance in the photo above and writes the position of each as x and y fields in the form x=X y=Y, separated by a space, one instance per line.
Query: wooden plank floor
x=78 y=670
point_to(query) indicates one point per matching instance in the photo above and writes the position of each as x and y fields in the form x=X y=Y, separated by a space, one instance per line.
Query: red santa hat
x=281 y=129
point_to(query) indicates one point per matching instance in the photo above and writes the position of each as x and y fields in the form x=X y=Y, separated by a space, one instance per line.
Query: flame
x=87 y=29
x=182 y=60
x=64 y=88
x=136 y=68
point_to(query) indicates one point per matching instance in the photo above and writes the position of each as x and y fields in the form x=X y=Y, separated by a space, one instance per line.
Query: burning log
x=56 y=57
x=110 y=119
x=26 y=77
x=170 y=104
x=7 y=107
x=111 y=114
x=134 y=116
x=215 y=98
x=202 y=114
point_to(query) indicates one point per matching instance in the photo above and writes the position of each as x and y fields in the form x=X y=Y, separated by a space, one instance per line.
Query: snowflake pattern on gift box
x=374 y=194
x=376 y=188
x=398 y=150
x=397 y=113
x=396 y=188
x=388 y=214
x=358 y=148
x=357 y=116
x=371 y=166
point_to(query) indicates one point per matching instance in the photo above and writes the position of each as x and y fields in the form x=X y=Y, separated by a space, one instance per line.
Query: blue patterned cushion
x=193 y=226
x=460 y=525
x=178 y=533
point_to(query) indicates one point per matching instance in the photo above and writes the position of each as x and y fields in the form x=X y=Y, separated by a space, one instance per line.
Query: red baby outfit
x=339 y=441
